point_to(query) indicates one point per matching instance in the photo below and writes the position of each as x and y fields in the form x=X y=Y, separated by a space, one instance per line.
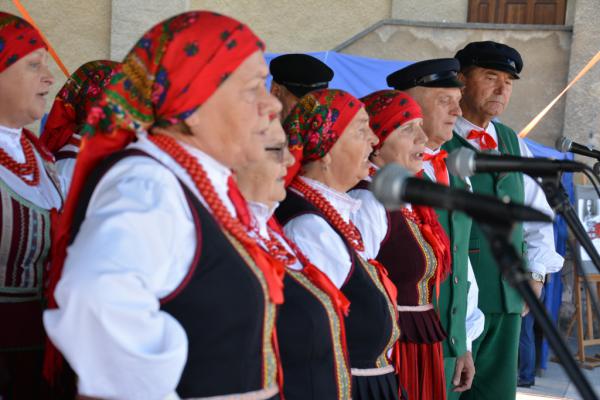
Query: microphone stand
x=559 y=201
x=511 y=266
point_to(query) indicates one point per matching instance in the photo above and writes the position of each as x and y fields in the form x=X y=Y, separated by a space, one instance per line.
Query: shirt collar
x=261 y=214
x=463 y=127
x=11 y=136
x=345 y=205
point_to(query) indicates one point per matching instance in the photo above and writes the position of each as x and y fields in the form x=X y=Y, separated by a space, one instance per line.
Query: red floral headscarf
x=74 y=101
x=17 y=39
x=170 y=72
x=316 y=123
x=388 y=110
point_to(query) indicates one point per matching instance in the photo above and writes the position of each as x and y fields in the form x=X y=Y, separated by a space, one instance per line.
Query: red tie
x=439 y=166
x=485 y=140
x=239 y=202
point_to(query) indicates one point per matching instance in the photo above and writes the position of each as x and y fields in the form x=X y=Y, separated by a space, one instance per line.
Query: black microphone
x=565 y=144
x=464 y=162
x=393 y=185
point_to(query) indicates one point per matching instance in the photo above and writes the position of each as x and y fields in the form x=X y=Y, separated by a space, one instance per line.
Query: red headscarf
x=170 y=72
x=17 y=39
x=316 y=123
x=388 y=110
x=74 y=101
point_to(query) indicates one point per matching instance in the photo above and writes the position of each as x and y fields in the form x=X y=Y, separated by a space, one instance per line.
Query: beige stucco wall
x=79 y=31
x=302 y=26
x=431 y=10
x=582 y=122
x=546 y=55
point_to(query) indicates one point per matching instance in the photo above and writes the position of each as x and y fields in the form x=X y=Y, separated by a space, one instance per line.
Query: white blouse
x=44 y=194
x=539 y=236
x=261 y=214
x=134 y=247
x=319 y=242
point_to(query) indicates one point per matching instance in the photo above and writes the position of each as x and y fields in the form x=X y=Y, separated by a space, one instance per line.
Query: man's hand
x=537 y=289
x=464 y=372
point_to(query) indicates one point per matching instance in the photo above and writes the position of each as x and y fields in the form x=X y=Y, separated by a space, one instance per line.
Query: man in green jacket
x=488 y=71
x=434 y=85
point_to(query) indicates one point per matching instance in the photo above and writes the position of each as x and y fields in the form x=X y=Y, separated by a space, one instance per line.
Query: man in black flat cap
x=488 y=70
x=435 y=86
x=294 y=75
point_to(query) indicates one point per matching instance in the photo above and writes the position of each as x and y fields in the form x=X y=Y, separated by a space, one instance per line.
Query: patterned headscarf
x=73 y=103
x=17 y=39
x=316 y=123
x=170 y=72
x=388 y=110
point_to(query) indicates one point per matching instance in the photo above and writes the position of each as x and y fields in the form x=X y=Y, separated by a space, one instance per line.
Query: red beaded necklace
x=277 y=249
x=348 y=230
x=412 y=215
x=22 y=170
x=170 y=146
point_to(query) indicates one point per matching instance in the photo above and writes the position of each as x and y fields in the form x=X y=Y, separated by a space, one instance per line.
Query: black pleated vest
x=369 y=325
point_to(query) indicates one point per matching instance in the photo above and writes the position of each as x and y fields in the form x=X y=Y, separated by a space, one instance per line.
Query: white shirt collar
x=217 y=172
x=342 y=202
x=463 y=127
x=261 y=214
x=10 y=141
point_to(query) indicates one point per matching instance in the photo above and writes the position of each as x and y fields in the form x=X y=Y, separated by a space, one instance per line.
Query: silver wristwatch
x=536 y=276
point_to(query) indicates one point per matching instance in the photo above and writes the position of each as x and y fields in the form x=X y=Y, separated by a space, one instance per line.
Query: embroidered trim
x=421 y=308
x=430 y=263
x=382 y=360
x=343 y=378
x=372 y=371
x=269 y=372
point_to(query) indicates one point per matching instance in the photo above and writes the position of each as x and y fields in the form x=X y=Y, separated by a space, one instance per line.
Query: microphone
x=393 y=185
x=565 y=144
x=464 y=162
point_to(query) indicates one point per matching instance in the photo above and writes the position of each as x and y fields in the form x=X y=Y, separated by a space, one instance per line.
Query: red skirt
x=422 y=371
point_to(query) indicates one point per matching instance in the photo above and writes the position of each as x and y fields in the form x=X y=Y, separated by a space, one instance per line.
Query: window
x=541 y=12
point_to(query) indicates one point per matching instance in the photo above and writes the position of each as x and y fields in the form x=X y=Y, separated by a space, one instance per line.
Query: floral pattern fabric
x=388 y=110
x=17 y=39
x=316 y=123
x=74 y=101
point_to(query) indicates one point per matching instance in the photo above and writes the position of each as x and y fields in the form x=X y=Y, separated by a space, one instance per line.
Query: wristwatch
x=536 y=276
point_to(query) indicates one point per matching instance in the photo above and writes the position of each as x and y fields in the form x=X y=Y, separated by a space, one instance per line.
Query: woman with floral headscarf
x=163 y=291
x=69 y=113
x=330 y=138
x=310 y=323
x=411 y=243
x=29 y=191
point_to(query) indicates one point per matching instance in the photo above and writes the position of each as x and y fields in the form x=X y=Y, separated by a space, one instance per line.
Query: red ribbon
x=439 y=166
x=485 y=140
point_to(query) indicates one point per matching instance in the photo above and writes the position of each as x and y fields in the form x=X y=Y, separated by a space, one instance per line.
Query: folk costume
x=69 y=113
x=415 y=250
x=460 y=317
x=30 y=193
x=183 y=300
x=317 y=218
x=495 y=351
x=310 y=323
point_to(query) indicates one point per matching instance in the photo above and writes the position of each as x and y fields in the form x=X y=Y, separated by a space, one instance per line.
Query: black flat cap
x=491 y=55
x=300 y=73
x=439 y=72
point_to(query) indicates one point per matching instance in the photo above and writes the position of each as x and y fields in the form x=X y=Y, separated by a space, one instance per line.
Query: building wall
x=545 y=53
x=431 y=10
x=302 y=26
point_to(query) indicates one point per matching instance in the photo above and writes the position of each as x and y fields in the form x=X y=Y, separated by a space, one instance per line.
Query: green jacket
x=495 y=293
x=452 y=303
